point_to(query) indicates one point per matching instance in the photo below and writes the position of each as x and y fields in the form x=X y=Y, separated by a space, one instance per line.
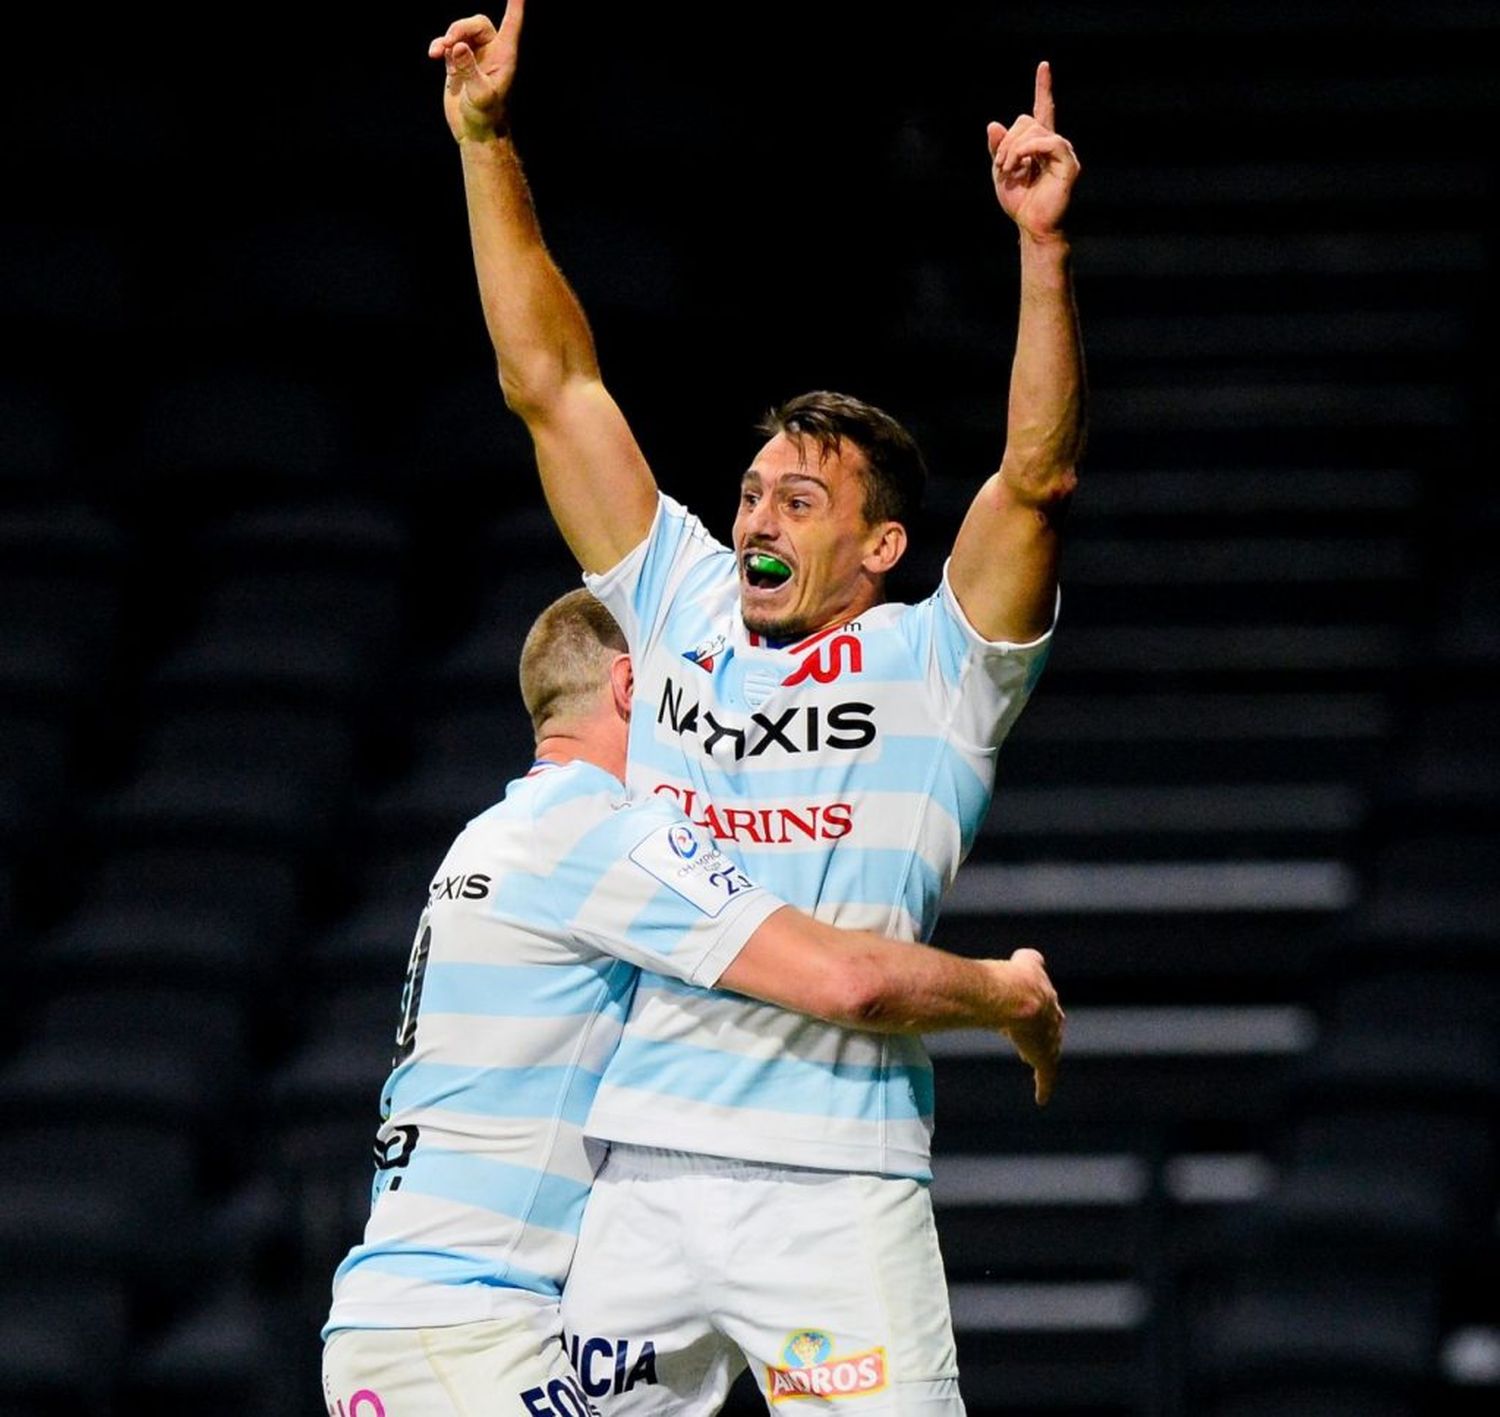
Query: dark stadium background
x=269 y=541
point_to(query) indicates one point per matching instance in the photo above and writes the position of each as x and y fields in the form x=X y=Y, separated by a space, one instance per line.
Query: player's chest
x=832 y=696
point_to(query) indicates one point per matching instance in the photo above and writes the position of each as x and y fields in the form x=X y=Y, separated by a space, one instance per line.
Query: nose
x=760 y=520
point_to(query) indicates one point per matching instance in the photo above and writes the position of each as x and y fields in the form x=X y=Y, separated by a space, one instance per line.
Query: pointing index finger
x=1042 y=108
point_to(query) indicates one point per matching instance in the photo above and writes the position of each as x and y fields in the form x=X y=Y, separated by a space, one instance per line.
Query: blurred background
x=269 y=542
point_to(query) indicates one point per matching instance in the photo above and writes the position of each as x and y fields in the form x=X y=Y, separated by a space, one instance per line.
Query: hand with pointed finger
x=480 y=62
x=1034 y=169
x=1036 y=1026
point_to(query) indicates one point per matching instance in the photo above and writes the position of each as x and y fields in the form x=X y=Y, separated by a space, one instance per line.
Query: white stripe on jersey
x=550 y=1042
x=850 y=774
x=669 y=1013
x=527 y=956
x=408 y=1218
x=842 y=1144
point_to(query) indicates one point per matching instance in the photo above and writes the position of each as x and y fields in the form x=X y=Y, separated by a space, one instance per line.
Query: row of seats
x=263 y=596
x=246 y=774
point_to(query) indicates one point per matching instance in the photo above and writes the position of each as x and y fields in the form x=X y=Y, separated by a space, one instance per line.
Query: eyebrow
x=753 y=474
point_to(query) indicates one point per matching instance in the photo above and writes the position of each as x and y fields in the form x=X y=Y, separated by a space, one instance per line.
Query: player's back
x=507 y=1019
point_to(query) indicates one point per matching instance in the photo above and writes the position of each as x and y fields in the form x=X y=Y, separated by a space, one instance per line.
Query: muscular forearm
x=917 y=989
x=867 y=981
x=1045 y=422
x=540 y=334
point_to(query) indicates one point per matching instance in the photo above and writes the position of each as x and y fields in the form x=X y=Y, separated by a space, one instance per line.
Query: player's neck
x=582 y=747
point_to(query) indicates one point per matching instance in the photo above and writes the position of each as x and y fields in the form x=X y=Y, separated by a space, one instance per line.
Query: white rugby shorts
x=828 y=1284
x=511 y=1367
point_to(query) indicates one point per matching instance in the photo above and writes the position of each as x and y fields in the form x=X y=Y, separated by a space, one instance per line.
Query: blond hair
x=565 y=660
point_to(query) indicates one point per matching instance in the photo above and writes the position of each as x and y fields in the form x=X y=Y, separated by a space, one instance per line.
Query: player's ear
x=886 y=546
x=622 y=684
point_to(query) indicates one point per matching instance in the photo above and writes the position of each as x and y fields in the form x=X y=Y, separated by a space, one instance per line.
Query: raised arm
x=594 y=476
x=866 y=981
x=1004 y=566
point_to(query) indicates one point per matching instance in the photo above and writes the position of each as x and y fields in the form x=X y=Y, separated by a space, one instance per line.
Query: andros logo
x=805 y=1349
x=683 y=842
x=812 y=1371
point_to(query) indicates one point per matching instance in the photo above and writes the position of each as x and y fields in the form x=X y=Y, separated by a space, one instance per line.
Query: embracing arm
x=595 y=478
x=866 y=981
x=1004 y=566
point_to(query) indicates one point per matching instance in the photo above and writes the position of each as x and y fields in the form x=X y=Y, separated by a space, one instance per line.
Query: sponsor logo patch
x=840 y=655
x=705 y=654
x=813 y=1370
x=800 y=728
x=695 y=869
x=764 y=826
x=612 y=1365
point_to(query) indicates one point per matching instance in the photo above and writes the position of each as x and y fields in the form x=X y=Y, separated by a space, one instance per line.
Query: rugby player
x=525 y=959
x=766 y=1193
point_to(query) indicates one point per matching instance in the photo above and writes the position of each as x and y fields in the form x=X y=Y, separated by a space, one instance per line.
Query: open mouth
x=764 y=571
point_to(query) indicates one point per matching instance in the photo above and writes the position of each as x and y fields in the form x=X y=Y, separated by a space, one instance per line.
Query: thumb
x=995 y=133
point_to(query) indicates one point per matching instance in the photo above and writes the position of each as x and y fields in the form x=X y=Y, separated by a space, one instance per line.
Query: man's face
x=807 y=513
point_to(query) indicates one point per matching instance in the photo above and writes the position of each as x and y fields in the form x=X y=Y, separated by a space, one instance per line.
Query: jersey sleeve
x=655 y=890
x=639 y=589
x=981 y=685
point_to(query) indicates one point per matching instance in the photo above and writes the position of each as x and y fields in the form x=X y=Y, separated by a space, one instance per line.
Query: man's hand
x=1033 y=168
x=1037 y=1023
x=481 y=64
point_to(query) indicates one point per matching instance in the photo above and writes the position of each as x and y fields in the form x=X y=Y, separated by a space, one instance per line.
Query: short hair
x=895 y=475
x=566 y=657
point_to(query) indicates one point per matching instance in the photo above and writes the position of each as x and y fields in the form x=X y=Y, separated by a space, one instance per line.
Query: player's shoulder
x=677 y=528
x=549 y=787
x=551 y=795
x=896 y=633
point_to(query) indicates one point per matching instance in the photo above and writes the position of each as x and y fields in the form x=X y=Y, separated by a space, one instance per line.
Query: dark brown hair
x=895 y=475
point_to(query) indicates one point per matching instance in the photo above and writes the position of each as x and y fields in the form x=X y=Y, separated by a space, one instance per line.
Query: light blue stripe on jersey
x=521 y=990
x=847 y=876
x=904 y=765
x=955 y=650
x=564 y=1092
x=529 y=797
x=561 y=895
x=660 y=927
x=792 y=1085
x=673 y=527
x=444 y=1267
x=537 y=1197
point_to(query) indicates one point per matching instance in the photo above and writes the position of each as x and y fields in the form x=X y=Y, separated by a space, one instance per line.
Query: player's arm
x=1004 y=565
x=594 y=476
x=866 y=981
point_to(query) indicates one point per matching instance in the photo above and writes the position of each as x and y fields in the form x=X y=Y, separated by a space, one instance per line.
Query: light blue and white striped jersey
x=523 y=968
x=849 y=773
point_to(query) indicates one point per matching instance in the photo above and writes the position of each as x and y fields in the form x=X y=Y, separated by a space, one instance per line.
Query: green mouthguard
x=769 y=565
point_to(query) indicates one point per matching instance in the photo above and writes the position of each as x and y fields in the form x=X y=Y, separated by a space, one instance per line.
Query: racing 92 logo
x=840 y=655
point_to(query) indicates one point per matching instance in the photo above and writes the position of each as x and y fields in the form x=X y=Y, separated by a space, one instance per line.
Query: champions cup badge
x=810 y=1371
